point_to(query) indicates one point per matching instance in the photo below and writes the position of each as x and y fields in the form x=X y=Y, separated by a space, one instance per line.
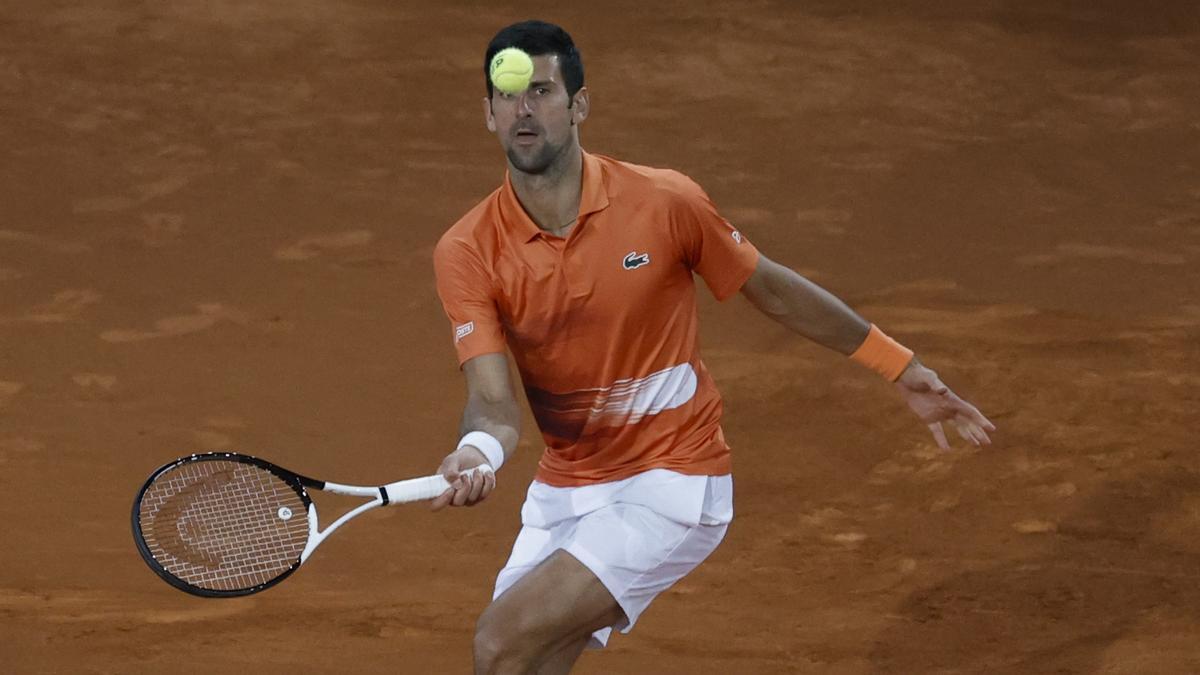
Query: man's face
x=535 y=127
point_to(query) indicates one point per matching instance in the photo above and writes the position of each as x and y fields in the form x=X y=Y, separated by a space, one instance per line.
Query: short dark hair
x=536 y=38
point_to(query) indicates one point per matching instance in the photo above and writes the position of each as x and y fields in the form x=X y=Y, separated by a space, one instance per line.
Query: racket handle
x=415 y=489
x=420 y=489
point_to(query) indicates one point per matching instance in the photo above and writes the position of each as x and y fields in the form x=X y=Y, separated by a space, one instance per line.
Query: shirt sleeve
x=712 y=247
x=468 y=298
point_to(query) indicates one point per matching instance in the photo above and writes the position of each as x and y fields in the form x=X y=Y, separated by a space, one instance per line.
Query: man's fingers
x=441 y=500
x=984 y=439
x=976 y=417
x=467 y=488
x=486 y=485
x=451 y=475
x=972 y=434
x=478 y=481
x=964 y=408
x=462 y=490
x=939 y=435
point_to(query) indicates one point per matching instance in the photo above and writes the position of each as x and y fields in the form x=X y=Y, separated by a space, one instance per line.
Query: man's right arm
x=491 y=405
x=492 y=409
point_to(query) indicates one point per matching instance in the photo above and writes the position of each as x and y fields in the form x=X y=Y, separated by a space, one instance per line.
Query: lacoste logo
x=463 y=331
x=635 y=260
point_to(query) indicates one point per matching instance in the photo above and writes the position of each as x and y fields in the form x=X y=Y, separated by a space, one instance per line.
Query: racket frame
x=399 y=492
x=295 y=481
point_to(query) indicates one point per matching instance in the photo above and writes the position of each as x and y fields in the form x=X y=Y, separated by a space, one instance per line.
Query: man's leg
x=561 y=661
x=543 y=618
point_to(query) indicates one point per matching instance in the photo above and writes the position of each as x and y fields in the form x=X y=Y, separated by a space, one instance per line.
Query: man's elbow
x=764 y=289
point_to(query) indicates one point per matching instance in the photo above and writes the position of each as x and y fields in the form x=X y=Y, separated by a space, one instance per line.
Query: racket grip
x=416 y=489
x=421 y=489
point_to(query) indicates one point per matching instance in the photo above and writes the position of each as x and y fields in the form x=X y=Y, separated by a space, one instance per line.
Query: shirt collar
x=594 y=197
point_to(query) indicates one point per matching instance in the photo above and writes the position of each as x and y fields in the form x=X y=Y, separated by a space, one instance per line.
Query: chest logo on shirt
x=634 y=260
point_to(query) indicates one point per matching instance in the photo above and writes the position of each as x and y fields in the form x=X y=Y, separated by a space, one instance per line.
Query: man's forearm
x=808 y=309
x=501 y=418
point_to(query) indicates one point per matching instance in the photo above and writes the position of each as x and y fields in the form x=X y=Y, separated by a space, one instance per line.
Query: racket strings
x=223 y=525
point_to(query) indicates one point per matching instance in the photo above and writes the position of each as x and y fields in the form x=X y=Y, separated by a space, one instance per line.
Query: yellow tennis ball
x=511 y=70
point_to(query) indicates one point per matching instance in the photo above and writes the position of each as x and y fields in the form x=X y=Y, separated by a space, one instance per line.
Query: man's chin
x=531 y=165
x=534 y=163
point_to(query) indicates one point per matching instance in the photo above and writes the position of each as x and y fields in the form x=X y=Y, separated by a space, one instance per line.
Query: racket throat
x=314 y=537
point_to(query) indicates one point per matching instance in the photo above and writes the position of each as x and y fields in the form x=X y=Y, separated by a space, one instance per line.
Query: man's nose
x=525 y=104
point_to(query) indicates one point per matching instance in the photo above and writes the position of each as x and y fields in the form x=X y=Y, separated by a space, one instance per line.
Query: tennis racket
x=222 y=524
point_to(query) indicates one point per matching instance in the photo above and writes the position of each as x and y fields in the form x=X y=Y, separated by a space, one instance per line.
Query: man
x=582 y=267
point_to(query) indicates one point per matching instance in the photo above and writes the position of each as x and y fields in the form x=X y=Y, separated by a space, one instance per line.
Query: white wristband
x=487 y=444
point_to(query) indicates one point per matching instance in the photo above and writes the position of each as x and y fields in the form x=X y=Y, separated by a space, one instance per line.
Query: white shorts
x=633 y=550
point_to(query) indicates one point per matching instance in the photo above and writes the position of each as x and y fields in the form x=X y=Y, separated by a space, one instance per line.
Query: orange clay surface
x=216 y=221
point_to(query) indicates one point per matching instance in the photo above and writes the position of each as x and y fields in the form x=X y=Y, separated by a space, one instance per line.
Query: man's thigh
x=557 y=603
x=631 y=551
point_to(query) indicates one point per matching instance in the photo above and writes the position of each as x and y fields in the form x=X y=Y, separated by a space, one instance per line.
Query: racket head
x=222 y=524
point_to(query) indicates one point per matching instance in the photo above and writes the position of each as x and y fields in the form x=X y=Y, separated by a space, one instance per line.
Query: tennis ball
x=511 y=70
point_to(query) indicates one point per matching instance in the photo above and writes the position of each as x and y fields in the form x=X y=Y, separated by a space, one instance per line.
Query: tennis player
x=581 y=266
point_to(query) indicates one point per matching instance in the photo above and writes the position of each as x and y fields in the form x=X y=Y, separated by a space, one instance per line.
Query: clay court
x=216 y=226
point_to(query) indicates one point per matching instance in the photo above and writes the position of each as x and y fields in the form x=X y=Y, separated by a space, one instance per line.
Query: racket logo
x=285 y=513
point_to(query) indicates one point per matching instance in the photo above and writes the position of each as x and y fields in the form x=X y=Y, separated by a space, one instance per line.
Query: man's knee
x=501 y=646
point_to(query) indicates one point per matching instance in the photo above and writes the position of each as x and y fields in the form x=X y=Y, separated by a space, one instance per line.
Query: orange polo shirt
x=602 y=324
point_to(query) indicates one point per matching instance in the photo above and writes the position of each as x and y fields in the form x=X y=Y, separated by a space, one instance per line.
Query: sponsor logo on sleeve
x=463 y=331
x=737 y=236
x=635 y=260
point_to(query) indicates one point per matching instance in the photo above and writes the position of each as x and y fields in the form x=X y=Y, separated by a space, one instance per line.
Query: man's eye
x=542 y=91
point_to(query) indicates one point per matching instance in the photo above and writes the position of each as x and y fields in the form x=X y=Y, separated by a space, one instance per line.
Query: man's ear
x=488 y=117
x=581 y=105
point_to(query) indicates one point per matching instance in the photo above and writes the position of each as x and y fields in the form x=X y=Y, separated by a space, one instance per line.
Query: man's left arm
x=811 y=311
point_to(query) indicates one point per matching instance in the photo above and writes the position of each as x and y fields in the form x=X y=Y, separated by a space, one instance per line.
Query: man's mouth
x=525 y=137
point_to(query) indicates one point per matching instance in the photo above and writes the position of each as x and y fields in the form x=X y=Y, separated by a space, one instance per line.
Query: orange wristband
x=882 y=354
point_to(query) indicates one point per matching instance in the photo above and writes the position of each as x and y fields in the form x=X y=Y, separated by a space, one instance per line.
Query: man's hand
x=934 y=403
x=467 y=487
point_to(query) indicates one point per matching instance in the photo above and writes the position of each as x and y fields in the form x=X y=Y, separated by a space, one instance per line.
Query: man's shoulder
x=651 y=181
x=473 y=227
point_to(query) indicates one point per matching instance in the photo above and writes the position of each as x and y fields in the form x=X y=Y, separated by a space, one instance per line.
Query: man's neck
x=552 y=197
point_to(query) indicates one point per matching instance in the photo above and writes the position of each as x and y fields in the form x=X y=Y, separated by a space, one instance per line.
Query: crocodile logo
x=635 y=260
